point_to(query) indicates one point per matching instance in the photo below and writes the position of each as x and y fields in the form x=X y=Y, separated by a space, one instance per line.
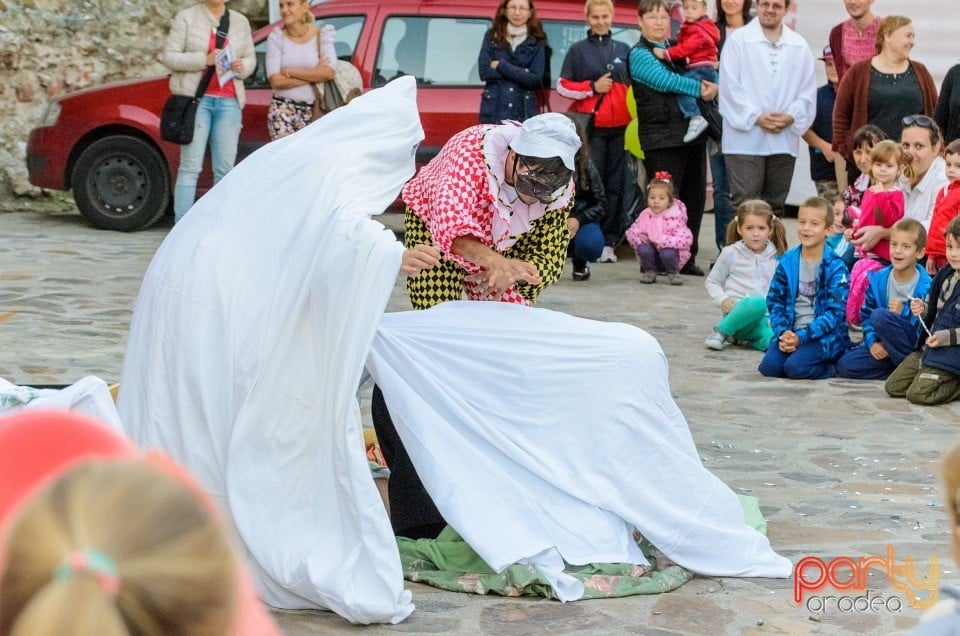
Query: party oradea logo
x=812 y=577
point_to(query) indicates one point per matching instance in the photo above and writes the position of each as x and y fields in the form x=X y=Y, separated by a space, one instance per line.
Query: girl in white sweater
x=740 y=279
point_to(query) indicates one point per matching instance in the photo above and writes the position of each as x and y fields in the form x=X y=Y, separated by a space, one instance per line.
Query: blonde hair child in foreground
x=740 y=279
x=114 y=548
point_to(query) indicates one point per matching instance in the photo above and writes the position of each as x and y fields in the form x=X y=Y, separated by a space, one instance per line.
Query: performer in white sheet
x=246 y=348
x=248 y=341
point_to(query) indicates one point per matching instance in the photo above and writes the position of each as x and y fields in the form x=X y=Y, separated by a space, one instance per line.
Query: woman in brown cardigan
x=884 y=89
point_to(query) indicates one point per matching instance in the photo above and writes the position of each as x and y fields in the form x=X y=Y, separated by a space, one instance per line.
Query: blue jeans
x=722 y=210
x=897 y=335
x=587 y=245
x=806 y=363
x=218 y=121
x=688 y=103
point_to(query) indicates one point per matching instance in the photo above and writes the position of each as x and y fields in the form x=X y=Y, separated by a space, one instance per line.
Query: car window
x=437 y=51
x=348 y=33
x=561 y=34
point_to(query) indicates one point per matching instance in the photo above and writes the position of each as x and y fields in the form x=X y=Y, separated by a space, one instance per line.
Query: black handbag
x=180 y=111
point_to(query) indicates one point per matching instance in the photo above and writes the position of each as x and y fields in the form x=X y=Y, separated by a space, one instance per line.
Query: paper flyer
x=222 y=62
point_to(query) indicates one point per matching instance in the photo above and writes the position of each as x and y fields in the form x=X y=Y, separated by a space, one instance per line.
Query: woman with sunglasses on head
x=883 y=89
x=511 y=63
x=923 y=143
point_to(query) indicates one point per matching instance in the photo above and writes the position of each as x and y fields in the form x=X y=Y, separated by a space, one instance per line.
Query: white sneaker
x=607 y=256
x=715 y=340
x=698 y=125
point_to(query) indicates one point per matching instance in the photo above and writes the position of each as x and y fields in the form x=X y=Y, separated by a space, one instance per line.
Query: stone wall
x=52 y=47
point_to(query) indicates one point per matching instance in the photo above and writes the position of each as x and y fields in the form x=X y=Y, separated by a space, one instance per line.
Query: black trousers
x=687 y=166
x=609 y=156
x=412 y=511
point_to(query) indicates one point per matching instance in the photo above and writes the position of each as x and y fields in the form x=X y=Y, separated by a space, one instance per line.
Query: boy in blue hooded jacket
x=807 y=301
x=890 y=331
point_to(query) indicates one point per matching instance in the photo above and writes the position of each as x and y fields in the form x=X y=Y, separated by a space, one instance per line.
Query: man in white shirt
x=768 y=98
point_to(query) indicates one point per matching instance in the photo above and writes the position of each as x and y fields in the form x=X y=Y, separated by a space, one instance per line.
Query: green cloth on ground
x=448 y=563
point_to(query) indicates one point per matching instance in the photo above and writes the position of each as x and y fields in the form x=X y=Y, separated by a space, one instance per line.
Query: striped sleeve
x=647 y=69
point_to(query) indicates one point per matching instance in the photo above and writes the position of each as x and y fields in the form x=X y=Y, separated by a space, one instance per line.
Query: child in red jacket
x=946 y=209
x=697 y=46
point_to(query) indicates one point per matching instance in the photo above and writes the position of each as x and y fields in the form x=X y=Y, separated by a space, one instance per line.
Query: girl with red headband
x=660 y=236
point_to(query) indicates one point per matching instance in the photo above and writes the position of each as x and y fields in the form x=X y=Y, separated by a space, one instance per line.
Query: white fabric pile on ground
x=467 y=384
x=90 y=396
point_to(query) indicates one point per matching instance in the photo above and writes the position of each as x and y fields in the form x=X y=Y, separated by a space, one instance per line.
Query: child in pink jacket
x=660 y=236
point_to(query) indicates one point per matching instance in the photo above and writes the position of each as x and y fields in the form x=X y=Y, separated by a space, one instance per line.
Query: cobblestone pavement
x=840 y=469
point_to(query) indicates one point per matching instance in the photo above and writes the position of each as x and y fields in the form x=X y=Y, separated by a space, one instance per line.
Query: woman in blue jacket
x=511 y=63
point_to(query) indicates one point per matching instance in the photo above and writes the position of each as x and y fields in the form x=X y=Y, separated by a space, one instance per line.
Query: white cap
x=548 y=135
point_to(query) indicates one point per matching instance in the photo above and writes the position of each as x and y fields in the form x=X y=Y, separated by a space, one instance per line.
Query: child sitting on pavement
x=890 y=331
x=660 y=236
x=945 y=209
x=883 y=204
x=806 y=302
x=932 y=375
x=697 y=44
x=740 y=279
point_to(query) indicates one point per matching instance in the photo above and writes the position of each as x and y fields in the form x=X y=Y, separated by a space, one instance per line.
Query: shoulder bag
x=345 y=85
x=180 y=111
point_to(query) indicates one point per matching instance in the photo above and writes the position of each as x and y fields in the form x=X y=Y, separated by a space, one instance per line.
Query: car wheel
x=121 y=183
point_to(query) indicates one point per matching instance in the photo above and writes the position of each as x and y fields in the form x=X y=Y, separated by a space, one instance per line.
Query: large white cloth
x=247 y=344
x=758 y=77
x=542 y=437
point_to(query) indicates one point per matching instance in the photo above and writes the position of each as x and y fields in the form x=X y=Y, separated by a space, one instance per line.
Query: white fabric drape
x=90 y=395
x=247 y=344
x=540 y=435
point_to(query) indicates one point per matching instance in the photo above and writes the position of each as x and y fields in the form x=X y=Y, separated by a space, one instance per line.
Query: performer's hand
x=727 y=305
x=878 y=351
x=503 y=274
x=419 y=258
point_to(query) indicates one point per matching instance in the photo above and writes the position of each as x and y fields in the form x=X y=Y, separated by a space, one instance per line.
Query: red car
x=104 y=143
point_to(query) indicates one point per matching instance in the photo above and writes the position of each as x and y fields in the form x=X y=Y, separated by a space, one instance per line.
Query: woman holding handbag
x=299 y=56
x=199 y=33
x=595 y=73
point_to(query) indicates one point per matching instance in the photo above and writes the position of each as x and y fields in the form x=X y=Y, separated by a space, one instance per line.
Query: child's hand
x=931 y=266
x=727 y=305
x=789 y=341
x=878 y=351
x=848 y=234
x=933 y=341
x=896 y=306
x=660 y=53
x=917 y=306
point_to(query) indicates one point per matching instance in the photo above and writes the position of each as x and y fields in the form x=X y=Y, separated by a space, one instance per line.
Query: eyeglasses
x=921 y=121
x=527 y=183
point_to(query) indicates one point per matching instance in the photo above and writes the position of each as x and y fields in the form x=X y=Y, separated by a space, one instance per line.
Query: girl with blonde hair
x=113 y=548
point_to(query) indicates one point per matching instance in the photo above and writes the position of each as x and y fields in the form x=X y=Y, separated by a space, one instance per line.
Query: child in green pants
x=740 y=279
